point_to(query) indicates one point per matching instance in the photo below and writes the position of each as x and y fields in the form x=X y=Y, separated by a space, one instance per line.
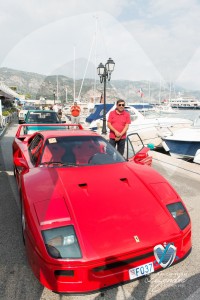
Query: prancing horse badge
x=136 y=238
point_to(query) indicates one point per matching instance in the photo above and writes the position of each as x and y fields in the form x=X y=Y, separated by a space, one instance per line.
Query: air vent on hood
x=125 y=180
x=84 y=187
x=82 y=184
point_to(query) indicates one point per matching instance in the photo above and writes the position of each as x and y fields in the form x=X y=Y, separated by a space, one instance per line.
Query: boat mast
x=74 y=73
x=57 y=88
x=170 y=91
x=94 y=43
x=86 y=67
x=160 y=93
x=149 y=91
x=95 y=58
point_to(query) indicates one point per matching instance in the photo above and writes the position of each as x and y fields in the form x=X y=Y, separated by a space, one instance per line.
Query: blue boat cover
x=98 y=112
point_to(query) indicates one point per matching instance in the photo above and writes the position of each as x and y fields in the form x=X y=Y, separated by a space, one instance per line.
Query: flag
x=140 y=91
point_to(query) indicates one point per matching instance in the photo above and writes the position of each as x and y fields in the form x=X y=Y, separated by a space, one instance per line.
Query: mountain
x=81 y=67
x=35 y=86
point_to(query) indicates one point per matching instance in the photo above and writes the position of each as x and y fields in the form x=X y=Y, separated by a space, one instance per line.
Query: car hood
x=113 y=208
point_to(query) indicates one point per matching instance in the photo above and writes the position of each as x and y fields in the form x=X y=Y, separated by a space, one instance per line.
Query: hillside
x=35 y=85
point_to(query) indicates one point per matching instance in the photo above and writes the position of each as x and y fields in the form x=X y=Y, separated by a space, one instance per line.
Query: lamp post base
x=104 y=129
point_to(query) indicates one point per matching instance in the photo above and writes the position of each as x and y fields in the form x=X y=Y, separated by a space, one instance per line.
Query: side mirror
x=143 y=158
x=140 y=156
x=20 y=162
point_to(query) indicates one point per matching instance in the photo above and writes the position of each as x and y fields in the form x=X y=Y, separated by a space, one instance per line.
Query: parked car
x=92 y=218
x=38 y=117
x=66 y=110
x=22 y=113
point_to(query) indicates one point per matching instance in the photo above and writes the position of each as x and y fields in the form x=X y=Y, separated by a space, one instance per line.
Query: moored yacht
x=185 y=102
x=185 y=142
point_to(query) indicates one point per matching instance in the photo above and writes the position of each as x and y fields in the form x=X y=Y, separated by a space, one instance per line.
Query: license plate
x=141 y=270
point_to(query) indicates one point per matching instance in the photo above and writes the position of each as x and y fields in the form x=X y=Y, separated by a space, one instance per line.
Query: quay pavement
x=17 y=282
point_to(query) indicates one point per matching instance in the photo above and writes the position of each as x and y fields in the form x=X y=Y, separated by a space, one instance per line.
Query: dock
x=181 y=281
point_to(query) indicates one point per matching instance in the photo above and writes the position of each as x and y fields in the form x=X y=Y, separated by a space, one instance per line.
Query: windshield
x=29 y=108
x=79 y=151
x=150 y=114
x=42 y=117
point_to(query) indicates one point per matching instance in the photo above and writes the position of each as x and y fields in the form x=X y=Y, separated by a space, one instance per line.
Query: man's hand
x=117 y=134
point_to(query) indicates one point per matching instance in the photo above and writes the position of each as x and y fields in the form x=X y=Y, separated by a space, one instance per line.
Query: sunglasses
x=121 y=104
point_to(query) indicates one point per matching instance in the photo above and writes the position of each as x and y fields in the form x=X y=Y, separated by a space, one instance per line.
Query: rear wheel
x=14 y=170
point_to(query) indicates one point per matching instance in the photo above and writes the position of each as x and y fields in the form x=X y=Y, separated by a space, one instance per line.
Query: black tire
x=23 y=223
x=14 y=171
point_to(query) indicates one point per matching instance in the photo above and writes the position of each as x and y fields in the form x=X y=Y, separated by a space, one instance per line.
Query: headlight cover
x=62 y=242
x=179 y=214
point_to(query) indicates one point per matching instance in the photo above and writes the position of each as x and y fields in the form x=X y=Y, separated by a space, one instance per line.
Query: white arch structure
x=7 y=92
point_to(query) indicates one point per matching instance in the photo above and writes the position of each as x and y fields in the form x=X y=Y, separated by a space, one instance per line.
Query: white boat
x=165 y=109
x=185 y=102
x=151 y=118
x=142 y=106
x=185 y=142
x=150 y=126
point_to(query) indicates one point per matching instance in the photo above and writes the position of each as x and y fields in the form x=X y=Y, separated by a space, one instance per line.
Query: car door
x=136 y=151
x=26 y=156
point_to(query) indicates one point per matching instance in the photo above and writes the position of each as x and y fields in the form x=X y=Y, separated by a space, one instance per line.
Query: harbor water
x=190 y=114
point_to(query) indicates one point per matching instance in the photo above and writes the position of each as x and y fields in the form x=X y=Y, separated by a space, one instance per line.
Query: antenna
x=57 y=89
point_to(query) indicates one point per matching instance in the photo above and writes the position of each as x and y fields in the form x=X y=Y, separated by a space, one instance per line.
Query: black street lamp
x=54 y=96
x=104 y=73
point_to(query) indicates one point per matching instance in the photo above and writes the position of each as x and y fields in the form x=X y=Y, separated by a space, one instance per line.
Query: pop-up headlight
x=179 y=214
x=62 y=242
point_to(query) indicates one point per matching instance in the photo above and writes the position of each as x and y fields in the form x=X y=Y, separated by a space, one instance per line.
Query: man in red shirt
x=118 y=123
x=75 y=113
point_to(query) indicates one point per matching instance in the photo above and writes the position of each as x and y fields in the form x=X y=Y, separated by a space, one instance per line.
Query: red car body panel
x=108 y=205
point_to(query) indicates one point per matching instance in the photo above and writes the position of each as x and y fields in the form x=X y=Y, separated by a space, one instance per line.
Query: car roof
x=41 y=110
x=71 y=132
x=29 y=107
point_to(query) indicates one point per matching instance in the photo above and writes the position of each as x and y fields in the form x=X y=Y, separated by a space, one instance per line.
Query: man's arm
x=128 y=121
x=117 y=133
x=124 y=130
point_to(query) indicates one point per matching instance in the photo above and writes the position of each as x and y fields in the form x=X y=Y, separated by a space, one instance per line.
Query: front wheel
x=23 y=223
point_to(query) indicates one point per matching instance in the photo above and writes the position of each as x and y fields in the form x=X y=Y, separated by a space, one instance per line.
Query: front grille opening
x=69 y=273
x=122 y=263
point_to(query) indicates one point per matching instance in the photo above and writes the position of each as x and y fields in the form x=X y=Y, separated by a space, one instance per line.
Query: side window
x=35 y=148
x=133 y=145
x=129 y=150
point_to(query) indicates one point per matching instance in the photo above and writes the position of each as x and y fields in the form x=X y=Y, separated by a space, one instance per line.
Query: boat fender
x=151 y=146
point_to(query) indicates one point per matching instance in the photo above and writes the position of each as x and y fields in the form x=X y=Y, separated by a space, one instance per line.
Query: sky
x=153 y=40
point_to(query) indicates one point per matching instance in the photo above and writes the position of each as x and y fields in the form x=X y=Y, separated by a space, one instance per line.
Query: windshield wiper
x=57 y=163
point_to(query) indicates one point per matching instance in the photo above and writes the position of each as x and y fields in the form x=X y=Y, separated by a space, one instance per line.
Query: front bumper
x=89 y=276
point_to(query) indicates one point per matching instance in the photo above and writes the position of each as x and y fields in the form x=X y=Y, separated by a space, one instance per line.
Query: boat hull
x=185 y=107
x=185 y=149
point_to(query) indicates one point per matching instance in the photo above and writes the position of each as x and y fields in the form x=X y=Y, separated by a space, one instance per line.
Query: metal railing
x=5 y=120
